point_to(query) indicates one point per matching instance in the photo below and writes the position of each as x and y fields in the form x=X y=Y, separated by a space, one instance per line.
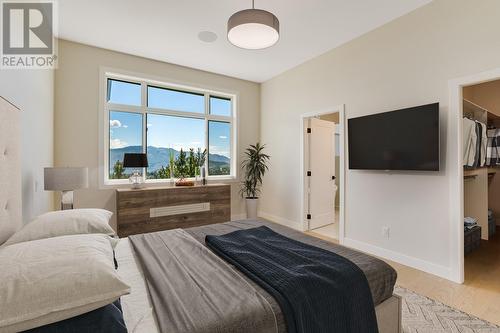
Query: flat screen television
x=406 y=139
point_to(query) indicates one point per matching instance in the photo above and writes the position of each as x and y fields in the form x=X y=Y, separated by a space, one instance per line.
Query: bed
x=138 y=311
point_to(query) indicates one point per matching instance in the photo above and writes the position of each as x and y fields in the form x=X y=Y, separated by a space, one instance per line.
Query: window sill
x=124 y=183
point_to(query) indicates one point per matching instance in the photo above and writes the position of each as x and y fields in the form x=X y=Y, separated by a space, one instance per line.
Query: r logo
x=27 y=28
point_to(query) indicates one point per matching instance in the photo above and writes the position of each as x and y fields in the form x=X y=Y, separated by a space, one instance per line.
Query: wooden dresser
x=161 y=208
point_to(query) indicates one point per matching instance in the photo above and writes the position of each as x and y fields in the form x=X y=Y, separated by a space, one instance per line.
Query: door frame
x=455 y=158
x=304 y=151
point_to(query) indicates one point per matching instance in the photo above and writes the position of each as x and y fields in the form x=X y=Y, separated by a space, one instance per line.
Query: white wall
x=77 y=110
x=405 y=63
x=33 y=92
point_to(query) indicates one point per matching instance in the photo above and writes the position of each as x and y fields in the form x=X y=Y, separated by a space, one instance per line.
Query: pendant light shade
x=253 y=29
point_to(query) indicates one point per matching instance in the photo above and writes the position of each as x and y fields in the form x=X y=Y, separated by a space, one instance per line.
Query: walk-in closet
x=481 y=160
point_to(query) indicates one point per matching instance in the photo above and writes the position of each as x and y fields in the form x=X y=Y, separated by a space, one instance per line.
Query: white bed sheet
x=137 y=307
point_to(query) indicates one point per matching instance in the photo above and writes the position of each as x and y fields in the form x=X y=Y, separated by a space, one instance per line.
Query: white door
x=322 y=173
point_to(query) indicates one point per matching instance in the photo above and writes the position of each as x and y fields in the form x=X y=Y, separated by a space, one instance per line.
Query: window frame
x=145 y=81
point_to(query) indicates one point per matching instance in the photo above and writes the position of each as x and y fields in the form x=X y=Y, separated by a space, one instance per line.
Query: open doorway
x=481 y=153
x=323 y=176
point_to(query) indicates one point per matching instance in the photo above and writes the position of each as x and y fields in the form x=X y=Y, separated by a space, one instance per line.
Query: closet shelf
x=471 y=172
x=472 y=107
x=475 y=172
x=492 y=117
x=477 y=112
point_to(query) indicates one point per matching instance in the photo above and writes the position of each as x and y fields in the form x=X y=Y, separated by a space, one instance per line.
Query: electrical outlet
x=386 y=232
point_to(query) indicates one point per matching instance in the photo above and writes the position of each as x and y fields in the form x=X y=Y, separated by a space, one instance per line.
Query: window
x=220 y=106
x=169 y=135
x=120 y=92
x=167 y=122
x=219 y=146
x=125 y=136
x=169 y=99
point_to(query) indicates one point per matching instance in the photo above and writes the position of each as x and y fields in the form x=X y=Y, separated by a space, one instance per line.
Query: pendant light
x=253 y=29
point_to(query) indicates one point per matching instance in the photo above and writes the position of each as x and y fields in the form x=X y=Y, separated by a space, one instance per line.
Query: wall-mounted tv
x=406 y=139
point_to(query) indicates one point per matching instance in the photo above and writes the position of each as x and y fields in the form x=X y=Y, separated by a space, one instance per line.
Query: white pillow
x=65 y=222
x=53 y=279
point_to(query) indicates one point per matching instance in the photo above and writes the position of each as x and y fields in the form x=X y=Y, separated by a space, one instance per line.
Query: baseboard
x=403 y=259
x=280 y=220
x=236 y=217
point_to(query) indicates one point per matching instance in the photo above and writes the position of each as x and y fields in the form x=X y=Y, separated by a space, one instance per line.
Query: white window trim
x=106 y=73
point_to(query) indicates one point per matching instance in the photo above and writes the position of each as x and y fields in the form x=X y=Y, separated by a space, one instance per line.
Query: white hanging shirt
x=469 y=141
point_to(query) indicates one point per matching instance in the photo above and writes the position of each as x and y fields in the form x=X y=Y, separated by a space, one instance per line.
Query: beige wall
x=77 y=110
x=404 y=63
x=33 y=92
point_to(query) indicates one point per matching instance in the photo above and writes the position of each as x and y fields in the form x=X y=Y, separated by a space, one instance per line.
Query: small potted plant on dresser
x=182 y=168
x=254 y=167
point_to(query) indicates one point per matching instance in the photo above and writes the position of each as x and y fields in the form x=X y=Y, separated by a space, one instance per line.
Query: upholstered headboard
x=10 y=170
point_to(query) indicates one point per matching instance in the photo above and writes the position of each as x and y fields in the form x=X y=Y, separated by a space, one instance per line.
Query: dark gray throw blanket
x=318 y=291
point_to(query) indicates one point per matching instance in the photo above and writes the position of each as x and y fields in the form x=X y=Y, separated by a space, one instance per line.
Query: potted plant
x=254 y=167
x=200 y=162
x=182 y=170
x=171 y=166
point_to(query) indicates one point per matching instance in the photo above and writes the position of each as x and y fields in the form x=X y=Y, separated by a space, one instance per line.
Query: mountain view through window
x=177 y=128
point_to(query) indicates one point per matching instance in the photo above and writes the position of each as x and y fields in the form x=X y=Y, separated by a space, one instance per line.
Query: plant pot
x=172 y=177
x=203 y=176
x=252 y=204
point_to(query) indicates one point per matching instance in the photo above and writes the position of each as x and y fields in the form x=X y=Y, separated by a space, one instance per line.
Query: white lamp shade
x=253 y=29
x=65 y=179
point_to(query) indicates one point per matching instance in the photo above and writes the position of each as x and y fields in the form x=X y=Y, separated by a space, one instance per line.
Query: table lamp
x=135 y=160
x=66 y=180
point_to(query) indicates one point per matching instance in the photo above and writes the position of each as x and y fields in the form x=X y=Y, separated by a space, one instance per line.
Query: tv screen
x=406 y=139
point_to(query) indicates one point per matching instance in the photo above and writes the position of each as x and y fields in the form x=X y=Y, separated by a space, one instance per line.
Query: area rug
x=421 y=315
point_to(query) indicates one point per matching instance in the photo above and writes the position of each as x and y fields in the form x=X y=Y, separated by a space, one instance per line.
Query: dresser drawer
x=156 y=209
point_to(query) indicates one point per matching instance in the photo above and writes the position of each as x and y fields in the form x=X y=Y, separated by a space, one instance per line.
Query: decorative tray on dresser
x=162 y=208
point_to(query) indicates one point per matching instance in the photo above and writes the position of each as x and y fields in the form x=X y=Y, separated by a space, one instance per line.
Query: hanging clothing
x=481 y=145
x=469 y=142
x=484 y=144
x=477 y=155
x=493 y=149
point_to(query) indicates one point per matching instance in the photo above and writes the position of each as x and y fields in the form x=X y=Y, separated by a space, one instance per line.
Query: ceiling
x=168 y=30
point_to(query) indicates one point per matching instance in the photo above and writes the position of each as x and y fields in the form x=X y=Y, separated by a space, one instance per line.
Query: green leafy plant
x=181 y=165
x=254 y=167
x=163 y=173
x=171 y=164
x=192 y=165
x=118 y=171
x=201 y=156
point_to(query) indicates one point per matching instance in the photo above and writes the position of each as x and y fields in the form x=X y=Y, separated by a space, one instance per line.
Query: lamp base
x=136 y=180
x=67 y=200
x=136 y=186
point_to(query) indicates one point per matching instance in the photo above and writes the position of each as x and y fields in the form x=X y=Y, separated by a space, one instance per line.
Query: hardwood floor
x=479 y=295
x=330 y=230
